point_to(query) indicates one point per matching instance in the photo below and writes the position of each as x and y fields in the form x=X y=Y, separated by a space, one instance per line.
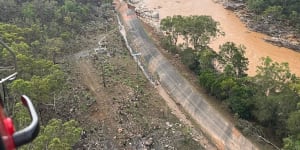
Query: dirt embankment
x=114 y=103
x=222 y=131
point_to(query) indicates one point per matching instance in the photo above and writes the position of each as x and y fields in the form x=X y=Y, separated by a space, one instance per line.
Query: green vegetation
x=40 y=32
x=199 y=32
x=281 y=10
x=269 y=99
x=56 y=135
x=293 y=141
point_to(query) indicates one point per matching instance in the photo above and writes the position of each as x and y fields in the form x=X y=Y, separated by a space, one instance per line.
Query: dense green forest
x=269 y=101
x=281 y=10
x=40 y=32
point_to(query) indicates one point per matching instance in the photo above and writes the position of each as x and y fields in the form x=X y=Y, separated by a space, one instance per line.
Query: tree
x=233 y=60
x=296 y=85
x=292 y=142
x=45 y=11
x=257 y=5
x=293 y=122
x=190 y=59
x=8 y=10
x=56 y=135
x=39 y=89
x=28 y=12
x=11 y=33
x=272 y=76
x=207 y=78
x=273 y=109
x=274 y=12
x=241 y=99
x=280 y=10
x=274 y=99
x=206 y=60
x=171 y=25
x=72 y=14
x=200 y=30
x=36 y=30
x=54 y=46
x=167 y=26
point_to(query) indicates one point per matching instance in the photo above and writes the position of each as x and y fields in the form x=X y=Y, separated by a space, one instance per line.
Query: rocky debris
x=134 y=1
x=148 y=142
x=120 y=130
x=280 y=33
x=128 y=123
x=233 y=5
x=283 y=43
x=118 y=120
x=145 y=12
x=150 y=16
x=169 y=125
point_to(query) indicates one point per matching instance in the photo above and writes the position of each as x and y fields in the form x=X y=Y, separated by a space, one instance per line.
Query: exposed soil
x=126 y=113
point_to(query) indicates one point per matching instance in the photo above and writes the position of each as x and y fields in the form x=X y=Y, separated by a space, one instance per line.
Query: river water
x=235 y=31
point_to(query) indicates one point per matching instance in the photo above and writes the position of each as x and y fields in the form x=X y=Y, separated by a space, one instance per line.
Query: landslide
x=114 y=103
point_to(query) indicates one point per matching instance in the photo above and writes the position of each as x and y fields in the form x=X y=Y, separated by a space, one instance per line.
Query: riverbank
x=235 y=31
x=281 y=33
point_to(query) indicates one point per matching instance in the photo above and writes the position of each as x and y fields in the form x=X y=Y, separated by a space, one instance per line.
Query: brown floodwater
x=235 y=31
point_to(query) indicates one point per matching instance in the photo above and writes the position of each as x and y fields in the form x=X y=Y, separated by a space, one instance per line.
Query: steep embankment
x=117 y=107
x=223 y=133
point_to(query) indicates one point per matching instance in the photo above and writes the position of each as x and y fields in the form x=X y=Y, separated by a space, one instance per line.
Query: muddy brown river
x=235 y=31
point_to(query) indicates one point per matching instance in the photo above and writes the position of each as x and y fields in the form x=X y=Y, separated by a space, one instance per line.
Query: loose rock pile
x=280 y=34
x=150 y=16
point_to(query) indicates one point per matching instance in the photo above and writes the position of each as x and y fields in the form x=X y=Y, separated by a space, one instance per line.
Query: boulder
x=155 y=15
x=233 y=5
x=134 y=1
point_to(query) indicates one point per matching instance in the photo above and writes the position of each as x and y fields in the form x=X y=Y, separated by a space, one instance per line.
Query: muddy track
x=102 y=107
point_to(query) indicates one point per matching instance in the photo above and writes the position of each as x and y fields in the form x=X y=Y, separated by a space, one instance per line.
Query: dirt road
x=223 y=133
x=101 y=109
